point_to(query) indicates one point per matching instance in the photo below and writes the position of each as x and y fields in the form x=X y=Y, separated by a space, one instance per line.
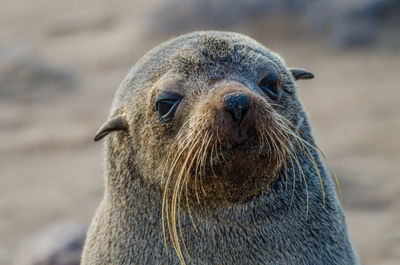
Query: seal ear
x=301 y=74
x=118 y=123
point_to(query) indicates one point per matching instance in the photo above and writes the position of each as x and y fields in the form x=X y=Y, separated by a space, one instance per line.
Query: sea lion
x=210 y=159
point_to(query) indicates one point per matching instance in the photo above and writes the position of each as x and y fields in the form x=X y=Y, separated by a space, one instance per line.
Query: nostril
x=236 y=104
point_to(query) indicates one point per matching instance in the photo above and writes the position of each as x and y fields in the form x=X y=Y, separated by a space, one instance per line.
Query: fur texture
x=179 y=192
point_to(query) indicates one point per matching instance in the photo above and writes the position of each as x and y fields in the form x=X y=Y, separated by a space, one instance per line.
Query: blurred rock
x=25 y=77
x=357 y=23
x=368 y=23
x=347 y=23
x=60 y=244
x=186 y=15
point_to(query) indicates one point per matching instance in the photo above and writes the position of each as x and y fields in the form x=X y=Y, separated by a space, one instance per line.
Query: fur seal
x=210 y=159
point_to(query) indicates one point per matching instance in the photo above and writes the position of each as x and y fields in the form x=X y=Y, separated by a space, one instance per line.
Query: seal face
x=212 y=120
x=206 y=126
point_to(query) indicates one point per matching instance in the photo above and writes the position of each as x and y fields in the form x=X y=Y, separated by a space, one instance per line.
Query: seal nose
x=236 y=104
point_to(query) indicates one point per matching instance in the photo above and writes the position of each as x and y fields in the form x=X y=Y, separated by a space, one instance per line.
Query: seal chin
x=235 y=174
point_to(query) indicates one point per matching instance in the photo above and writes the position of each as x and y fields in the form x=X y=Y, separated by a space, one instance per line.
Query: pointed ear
x=301 y=74
x=117 y=123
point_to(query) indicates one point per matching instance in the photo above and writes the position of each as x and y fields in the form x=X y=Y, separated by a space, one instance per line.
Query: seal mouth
x=238 y=147
x=238 y=150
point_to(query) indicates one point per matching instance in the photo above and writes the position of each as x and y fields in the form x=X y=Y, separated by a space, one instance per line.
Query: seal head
x=208 y=148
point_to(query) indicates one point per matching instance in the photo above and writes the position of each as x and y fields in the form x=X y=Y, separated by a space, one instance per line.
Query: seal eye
x=271 y=85
x=166 y=106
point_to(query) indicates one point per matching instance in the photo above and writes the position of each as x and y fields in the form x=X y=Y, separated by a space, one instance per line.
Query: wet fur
x=166 y=199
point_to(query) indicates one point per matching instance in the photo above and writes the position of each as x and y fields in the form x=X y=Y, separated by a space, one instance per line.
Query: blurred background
x=61 y=62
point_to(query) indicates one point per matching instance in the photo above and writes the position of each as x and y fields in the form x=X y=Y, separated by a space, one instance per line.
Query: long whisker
x=220 y=146
x=165 y=195
x=203 y=164
x=165 y=204
x=185 y=180
x=176 y=202
x=296 y=160
x=305 y=145
x=186 y=190
x=176 y=197
x=337 y=186
x=306 y=151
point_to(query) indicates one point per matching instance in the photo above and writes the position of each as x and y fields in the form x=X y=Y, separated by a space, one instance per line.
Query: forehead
x=203 y=56
x=221 y=55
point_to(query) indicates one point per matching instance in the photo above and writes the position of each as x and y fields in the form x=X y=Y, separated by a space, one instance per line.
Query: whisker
x=165 y=204
x=307 y=152
x=203 y=164
x=176 y=203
